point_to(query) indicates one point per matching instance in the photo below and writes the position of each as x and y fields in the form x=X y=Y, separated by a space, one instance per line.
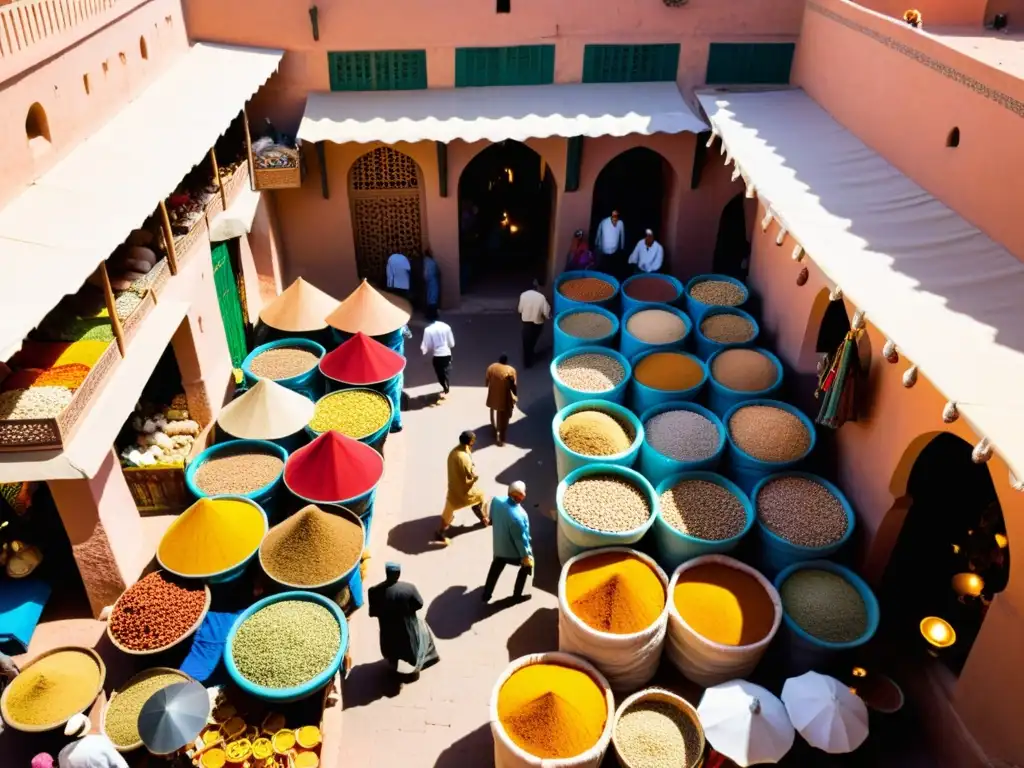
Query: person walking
x=398 y=272
x=510 y=537
x=580 y=256
x=534 y=311
x=431 y=281
x=439 y=341
x=463 y=486
x=610 y=242
x=648 y=254
x=502 y=392
x=406 y=642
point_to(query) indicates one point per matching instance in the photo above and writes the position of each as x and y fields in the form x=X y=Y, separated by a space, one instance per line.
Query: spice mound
x=585 y=325
x=768 y=433
x=333 y=468
x=156 y=611
x=744 y=370
x=719 y=293
x=286 y=644
x=682 y=435
x=593 y=433
x=727 y=329
x=211 y=536
x=606 y=503
x=825 y=605
x=34 y=403
x=53 y=689
x=590 y=372
x=312 y=547
x=801 y=511
x=238 y=473
x=551 y=711
x=357 y=413
x=669 y=371
x=724 y=605
x=121 y=721
x=283 y=363
x=703 y=510
x=656 y=326
x=586 y=289
x=614 y=592
x=653 y=289
x=657 y=734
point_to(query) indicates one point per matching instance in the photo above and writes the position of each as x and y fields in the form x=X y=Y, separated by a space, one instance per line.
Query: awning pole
x=108 y=297
x=172 y=257
x=216 y=175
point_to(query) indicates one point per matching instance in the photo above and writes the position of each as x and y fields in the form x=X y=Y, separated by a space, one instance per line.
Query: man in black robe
x=405 y=640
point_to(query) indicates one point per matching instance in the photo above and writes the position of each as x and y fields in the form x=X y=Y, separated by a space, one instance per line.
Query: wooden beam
x=108 y=297
x=321 y=156
x=700 y=151
x=248 y=149
x=442 y=169
x=165 y=220
x=216 y=176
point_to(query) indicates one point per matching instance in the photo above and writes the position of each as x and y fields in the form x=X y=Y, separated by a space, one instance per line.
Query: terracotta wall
x=934 y=12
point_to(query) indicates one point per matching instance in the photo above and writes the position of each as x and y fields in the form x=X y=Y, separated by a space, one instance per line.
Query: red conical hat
x=370 y=311
x=301 y=308
x=361 y=360
x=333 y=468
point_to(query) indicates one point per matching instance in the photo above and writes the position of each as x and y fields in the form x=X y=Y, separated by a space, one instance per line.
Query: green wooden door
x=226 y=283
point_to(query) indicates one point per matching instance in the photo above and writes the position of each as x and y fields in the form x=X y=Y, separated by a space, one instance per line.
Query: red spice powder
x=362 y=360
x=333 y=468
x=651 y=289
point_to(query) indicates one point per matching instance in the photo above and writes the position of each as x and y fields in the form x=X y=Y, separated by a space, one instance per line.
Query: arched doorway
x=634 y=184
x=954 y=525
x=506 y=198
x=732 y=249
x=384 y=190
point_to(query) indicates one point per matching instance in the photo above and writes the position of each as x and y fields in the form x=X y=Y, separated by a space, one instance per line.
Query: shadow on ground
x=474 y=750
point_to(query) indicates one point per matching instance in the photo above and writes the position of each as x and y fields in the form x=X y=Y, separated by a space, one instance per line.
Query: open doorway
x=634 y=184
x=506 y=197
x=732 y=248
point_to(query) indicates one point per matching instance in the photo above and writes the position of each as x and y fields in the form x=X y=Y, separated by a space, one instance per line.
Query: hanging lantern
x=1001 y=541
x=835 y=294
x=950 y=413
x=767 y=220
x=798 y=252
x=982 y=451
x=801 y=279
x=910 y=377
x=889 y=352
x=938 y=632
x=968 y=584
x=781 y=237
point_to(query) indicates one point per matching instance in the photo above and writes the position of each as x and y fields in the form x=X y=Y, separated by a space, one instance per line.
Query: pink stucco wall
x=933 y=12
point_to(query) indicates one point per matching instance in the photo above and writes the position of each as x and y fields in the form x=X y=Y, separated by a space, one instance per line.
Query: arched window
x=37 y=127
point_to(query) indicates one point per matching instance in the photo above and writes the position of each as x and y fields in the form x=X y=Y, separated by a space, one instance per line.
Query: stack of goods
x=267 y=411
x=743 y=370
x=724 y=605
x=586 y=289
x=187 y=208
x=156 y=612
x=266 y=153
x=614 y=592
x=718 y=293
x=727 y=328
x=301 y=308
x=656 y=326
x=824 y=605
x=608 y=503
x=45 y=376
x=52 y=689
x=333 y=469
x=164 y=436
x=801 y=511
x=590 y=372
x=284 y=362
x=667 y=371
x=256 y=738
x=703 y=510
x=238 y=471
x=682 y=435
x=356 y=413
x=585 y=325
x=654 y=732
x=312 y=548
x=211 y=537
x=595 y=433
x=121 y=718
x=654 y=290
x=768 y=433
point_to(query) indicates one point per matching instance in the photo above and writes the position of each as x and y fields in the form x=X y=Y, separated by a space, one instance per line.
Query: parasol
x=173 y=717
x=746 y=723
x=826 y=713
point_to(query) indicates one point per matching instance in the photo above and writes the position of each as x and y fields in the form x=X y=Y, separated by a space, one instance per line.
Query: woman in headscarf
x=580 y=256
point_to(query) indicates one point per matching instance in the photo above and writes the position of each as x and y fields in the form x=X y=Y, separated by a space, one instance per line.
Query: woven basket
x=183 y=245
x=278 y=178
x=158 y=489
x=132 y=323
x=239 y=180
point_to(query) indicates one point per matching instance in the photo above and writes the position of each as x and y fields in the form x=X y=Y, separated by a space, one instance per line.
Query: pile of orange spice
x=614 y=592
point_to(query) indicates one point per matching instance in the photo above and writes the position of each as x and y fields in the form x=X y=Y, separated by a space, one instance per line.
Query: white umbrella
x=746 y=723
x=825 y=713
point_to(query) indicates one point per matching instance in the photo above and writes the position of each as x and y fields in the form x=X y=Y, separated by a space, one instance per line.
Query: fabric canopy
x=301 y=308
x=946 y=294
x=370 y=311
x=498 y=113
x=55 y=234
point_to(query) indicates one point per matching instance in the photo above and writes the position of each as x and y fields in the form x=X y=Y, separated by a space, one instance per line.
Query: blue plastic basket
x=563 y=303
x=375 y=439
x=335 y=585
x=748 y=471
x=309 y=383
x=631 y=346
x=565 y=395
x=565 y=342
x=675 y=547
x=267 y=496
x=629 y=303
x=656 y=466
x=567 y=460
x=696 y=309
x=721 y=398
x=282 y=695
x=643 y=398
x=707 y=347
x=290 y=442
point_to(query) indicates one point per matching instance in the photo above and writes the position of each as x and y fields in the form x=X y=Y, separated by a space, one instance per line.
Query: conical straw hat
x=371 y=311
x=362 y=360
x=268 y=411
x=301 y=308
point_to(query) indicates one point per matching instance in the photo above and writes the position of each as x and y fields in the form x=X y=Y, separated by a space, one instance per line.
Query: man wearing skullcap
x=88 y=750
x=405 y=639
x=510 y=528
x=648 y=254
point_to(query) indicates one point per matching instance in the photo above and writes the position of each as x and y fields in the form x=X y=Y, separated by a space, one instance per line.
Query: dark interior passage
x=634 y=184
x=732 y=249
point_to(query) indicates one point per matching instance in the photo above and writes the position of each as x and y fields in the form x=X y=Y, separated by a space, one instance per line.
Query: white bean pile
x=682 y=435
x=590 y=372
x=801 y=511
x=606 y=503
x=34 y=403
x=718 y=293
x=703 y=510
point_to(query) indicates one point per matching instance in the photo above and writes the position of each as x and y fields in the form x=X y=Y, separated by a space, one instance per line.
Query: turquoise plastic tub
x=707 y=347
x=696 y=309
x=631 y=346
x=283 y=695
x=573 y=538
x=290 y=442
x=563 y=303
x=309 y=383
x=805 y=651
x=675 y=547
x=776 y=552
x=375 y=439
x=721 y=398
x=748 y=471
x=567 y=460
x=656 y=466
x=267 y=496
x=629 y=303
x=564 y=342
x=565 y=395
x=642 y=398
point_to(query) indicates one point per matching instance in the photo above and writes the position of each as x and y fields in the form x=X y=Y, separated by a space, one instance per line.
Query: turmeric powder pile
x=54 y=688
x=724 y=604
x=211 y=536
x=614 y=592
x=552 y=712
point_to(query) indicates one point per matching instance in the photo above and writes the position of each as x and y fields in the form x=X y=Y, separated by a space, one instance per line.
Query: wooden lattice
x=384 y=169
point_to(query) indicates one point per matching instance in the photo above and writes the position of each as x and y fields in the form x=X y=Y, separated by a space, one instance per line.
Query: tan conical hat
x=268 y=411
x=301 y=308
x=370 y=311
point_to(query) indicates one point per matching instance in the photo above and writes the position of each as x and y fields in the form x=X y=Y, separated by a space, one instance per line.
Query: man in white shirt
x=398 y=271
x=648 y=254
x=534 y=311
x=439 y=341
x=609 y=243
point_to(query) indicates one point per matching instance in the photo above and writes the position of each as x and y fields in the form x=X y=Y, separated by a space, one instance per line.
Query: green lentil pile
x=825 y=605
x=657 y=734
x=593 y=433
x=286 y=644
x=356 y=413
x=121 y=721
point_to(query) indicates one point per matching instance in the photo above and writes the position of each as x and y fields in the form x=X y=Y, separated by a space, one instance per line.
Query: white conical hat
x=268 y=411
x=301 y=308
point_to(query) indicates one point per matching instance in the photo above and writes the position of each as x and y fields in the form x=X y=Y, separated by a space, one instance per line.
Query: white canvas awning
x=55 y=234
x=237 y=219
x=498 y=113
x=946 y=293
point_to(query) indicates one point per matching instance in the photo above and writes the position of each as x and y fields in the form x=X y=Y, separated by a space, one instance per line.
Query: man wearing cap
x=406 y=642
x=510 y=535
x=648 y=254
x=463 y=486
x=88 y=750
x=609 y=242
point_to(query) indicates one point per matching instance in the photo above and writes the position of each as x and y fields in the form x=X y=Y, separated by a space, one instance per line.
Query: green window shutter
x=505 y=65
x=378 y=70
x=630 y=63
x=749 y=63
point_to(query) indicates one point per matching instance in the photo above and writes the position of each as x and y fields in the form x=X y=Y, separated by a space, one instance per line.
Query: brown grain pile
x=768 y=433
x=801 y=511
x=312 y=547
x=587 y=289
x=238 y=473
x=719 y=293
x=585 y=325
x=703 y=510
x=744 y=370
x=651 y=288
x=594 y=433
x=283 y=363
x=727 y=329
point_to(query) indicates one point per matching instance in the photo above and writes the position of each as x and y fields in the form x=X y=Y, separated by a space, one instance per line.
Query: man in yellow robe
x=463 y=486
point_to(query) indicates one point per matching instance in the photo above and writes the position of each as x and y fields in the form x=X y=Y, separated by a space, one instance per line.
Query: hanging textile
x=839 y=384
